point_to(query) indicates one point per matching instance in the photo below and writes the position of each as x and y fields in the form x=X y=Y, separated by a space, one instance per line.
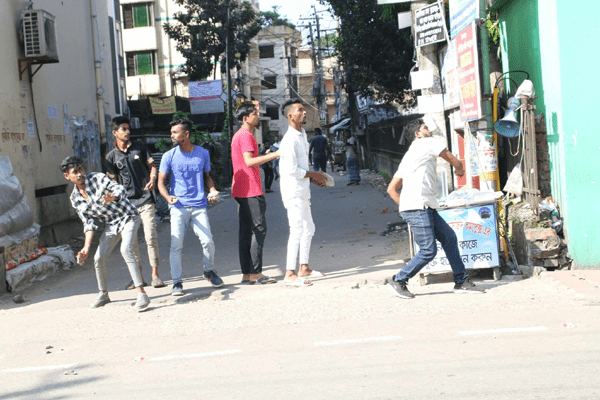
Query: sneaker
x=213 y=278
x=467 y=287
x=400 y=289
x=101 y=300
x=350 y=183
x=142 y=302
x=177 y=289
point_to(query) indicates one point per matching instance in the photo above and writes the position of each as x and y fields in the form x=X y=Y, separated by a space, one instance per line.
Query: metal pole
x=229 y=117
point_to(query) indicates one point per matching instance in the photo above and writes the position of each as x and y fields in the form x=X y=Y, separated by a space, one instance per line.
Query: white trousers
x=302 y=229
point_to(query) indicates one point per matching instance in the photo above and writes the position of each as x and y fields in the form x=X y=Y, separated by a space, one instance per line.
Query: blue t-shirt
x=187 y=175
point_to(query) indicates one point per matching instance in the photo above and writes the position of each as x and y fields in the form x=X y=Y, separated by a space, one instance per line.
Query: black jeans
x=268 y=177
x=253 y=229
x=320 y=162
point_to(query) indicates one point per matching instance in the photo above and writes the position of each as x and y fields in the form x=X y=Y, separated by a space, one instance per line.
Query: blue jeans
x=427 y=226
x=320 y=162
x=180 y=220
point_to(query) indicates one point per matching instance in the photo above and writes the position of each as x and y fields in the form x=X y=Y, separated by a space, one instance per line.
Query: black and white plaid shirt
x=115 y=214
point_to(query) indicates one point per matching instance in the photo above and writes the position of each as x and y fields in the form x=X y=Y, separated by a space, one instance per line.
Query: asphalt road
x=345 y=337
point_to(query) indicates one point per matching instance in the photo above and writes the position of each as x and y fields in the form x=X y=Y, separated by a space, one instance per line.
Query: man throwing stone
x=96 y=196
x=246 y=189
x=416 y=176
x=188 y=168
x=295 y=193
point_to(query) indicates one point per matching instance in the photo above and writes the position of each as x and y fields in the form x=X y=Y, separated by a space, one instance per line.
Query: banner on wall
x=205 y=97
x=163 y=106
x=468 y=74
x=477 y=234
x=462 y=14
x=449 y=71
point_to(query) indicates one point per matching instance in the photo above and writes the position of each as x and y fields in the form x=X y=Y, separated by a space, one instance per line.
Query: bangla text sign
x=429 y=25
x=205 y=97
x=468 y=74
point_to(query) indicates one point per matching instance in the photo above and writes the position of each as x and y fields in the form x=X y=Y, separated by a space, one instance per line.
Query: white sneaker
x=142 y=303
x=101 y=300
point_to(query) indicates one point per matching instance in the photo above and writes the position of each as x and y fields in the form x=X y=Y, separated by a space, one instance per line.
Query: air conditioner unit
x=39 y=34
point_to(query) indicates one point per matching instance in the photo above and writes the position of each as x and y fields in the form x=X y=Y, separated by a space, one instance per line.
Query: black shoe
x=467 y=287
x=350 y=183
x=357 y=182
x=213 y=278
x=400 y=289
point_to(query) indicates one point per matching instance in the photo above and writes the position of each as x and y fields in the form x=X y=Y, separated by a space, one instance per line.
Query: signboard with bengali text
x=477 y=233
x=429 y=25
x=468 y=74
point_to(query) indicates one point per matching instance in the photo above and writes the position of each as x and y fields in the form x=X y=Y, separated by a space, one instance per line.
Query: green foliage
x=273 y=18
x=493 y=32
x=370 y=44
x=385 y=176
x=197 y=137
x=200 y=33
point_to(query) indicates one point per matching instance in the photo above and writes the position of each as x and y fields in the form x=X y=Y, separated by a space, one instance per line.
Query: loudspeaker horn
x=509 y=126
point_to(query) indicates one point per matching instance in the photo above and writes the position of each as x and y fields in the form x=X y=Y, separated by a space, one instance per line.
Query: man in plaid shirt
x=96 y=196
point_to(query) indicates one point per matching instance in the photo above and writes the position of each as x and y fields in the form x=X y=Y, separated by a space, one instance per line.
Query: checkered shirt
x=115 y=214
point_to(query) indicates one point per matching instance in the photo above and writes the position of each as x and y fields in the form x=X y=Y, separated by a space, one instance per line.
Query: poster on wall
x=449 y=71
x=468 y=74
x=477 y=234
x=462 y=14
x=205 y=97
x=163 y=106
x=488 y=161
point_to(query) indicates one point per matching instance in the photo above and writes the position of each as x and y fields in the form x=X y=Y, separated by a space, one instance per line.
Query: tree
x=370 y=45
x=273 y=18
x=201 y=32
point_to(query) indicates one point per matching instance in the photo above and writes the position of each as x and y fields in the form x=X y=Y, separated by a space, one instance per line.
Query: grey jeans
x=107 y=243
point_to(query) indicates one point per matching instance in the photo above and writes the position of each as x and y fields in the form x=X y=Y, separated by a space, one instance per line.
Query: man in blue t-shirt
x=188 y=167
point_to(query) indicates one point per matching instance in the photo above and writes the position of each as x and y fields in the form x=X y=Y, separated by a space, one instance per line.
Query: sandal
x=264 y=280
x=157 y=283
x=131 y=285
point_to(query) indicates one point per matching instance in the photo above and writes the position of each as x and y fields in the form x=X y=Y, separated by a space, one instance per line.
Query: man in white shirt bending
x=416 y=176
x=295 y=193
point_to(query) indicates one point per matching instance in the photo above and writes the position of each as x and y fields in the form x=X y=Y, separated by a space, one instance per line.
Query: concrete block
x=531 y=271
x=551 y=262
x=542 y=243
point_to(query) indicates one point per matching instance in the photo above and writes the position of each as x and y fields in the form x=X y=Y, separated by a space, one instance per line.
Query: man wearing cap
x=96 y=196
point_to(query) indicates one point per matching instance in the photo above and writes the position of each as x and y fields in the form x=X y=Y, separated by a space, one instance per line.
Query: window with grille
x=141 y=63
x=267 y=51
x=137 y=15
x=272 y=112
x=270 y=82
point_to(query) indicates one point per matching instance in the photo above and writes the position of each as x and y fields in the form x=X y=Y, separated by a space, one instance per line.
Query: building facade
x=66 y=106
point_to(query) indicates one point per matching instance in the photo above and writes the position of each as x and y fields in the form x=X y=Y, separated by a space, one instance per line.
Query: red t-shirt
x=246 y=180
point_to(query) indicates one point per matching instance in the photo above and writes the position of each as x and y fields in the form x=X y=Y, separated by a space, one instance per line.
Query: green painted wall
x=556 y=41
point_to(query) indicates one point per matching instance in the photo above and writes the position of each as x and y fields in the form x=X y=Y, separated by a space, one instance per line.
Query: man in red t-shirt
x=247 y=191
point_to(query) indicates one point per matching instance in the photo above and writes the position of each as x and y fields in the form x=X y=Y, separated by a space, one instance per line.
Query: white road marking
x=198 y=355
x=505 y=330
x=365 y=340
x=29 y=369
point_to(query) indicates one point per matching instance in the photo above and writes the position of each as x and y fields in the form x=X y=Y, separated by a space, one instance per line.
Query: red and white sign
x=205 y=97
x=468 y=74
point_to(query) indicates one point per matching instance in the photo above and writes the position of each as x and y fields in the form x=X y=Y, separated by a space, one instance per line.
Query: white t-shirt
x=293 y=166
x=418 y=173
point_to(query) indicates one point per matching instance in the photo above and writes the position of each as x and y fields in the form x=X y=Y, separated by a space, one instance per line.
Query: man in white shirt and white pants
x=416 y=176
x=295 y=193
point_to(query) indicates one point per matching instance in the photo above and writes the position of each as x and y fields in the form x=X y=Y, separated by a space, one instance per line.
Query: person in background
x=267 y=167
x=318 y=149
x=352 y=160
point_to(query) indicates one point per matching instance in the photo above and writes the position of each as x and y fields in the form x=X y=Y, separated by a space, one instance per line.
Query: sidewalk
x=584 y=283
